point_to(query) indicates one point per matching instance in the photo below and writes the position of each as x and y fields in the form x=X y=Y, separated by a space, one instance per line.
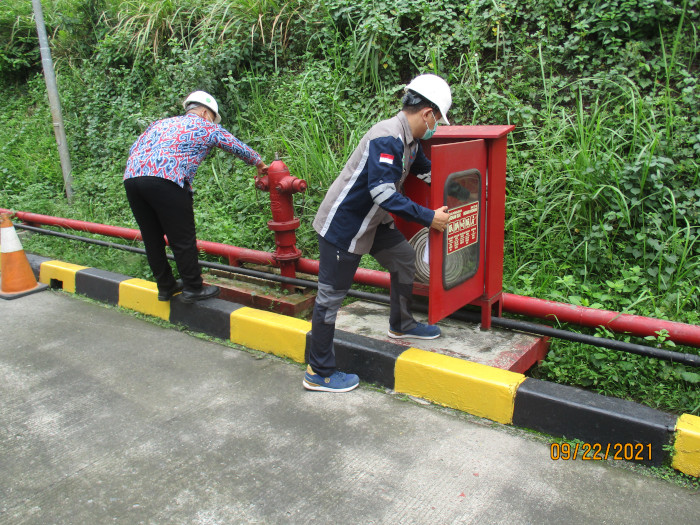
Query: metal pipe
x=464 y=315
x=207 y=264
x=612 y=344
x=679 y=333
x=233 y=253
x=54 y=100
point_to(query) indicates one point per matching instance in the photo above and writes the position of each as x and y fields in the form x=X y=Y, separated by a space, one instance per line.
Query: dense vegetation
x=603 y=194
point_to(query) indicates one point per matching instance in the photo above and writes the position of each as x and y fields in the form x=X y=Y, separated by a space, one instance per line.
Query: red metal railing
x=679 y=333
x=234 y=254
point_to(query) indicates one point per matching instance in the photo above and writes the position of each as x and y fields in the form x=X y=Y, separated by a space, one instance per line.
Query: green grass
x=659 y=384
x=93 y=256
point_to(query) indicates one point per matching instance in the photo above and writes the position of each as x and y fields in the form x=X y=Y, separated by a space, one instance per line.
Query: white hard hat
x=435 y=90
x=205 y=99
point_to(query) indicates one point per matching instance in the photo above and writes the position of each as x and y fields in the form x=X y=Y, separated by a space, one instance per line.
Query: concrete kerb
x=608 y=427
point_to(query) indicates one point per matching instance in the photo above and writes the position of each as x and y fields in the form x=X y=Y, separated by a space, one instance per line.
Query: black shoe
x=205 y=292
x=164 y=295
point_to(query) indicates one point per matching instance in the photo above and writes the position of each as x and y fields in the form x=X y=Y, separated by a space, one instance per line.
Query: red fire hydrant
x=282 y=186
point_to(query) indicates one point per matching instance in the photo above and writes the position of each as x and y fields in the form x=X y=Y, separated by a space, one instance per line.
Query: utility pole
x=54 y=101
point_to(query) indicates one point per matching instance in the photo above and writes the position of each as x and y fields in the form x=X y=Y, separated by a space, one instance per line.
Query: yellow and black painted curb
x=607 y=427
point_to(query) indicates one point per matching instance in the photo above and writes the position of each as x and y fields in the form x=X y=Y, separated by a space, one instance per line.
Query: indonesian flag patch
x=385 y=157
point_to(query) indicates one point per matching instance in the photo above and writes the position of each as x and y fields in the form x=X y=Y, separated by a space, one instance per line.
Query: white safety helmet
x=206 y=100
x=435 y=90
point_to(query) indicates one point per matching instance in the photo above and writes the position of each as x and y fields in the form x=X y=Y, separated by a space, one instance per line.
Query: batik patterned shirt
x=173 y=149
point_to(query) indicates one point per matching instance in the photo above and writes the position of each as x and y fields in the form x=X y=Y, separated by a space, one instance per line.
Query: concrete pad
x=503 y=349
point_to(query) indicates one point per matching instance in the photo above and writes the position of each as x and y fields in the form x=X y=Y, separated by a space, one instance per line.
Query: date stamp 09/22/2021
x=600 y=451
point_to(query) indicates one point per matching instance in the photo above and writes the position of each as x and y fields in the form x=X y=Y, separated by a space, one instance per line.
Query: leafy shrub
x=19 y=51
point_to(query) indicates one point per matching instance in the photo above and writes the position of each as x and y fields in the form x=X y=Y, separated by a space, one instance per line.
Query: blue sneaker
x=337 y=382
x=420 y=331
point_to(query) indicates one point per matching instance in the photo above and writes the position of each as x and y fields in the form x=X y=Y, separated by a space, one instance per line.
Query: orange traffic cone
x=16 y=277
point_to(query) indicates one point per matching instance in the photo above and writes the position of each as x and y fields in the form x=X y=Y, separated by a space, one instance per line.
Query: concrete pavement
x=106 y=417
x=606 y=426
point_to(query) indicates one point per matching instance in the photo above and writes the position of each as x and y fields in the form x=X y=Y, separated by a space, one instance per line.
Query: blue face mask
x=429 y=132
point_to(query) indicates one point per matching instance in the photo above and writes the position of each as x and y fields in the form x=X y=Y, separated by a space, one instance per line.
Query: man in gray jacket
x=354 y=219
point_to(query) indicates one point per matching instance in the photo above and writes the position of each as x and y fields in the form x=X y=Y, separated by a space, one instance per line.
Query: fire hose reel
x=461 y=237
x=464 y=264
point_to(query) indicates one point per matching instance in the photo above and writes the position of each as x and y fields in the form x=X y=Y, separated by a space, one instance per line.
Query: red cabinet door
x=456 y=256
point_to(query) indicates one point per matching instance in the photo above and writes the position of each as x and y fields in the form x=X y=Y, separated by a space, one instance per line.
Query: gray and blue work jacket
x=368 y=188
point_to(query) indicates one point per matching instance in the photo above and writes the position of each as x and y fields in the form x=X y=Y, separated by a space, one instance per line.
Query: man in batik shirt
x=158 y=181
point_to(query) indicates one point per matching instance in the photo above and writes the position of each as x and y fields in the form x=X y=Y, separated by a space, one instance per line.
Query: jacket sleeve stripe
x=382 y=192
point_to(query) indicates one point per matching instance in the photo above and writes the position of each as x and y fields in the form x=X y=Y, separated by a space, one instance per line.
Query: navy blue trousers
x=337 y=269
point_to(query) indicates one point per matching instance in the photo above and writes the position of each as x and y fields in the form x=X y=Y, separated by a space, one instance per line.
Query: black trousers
x=161 y=207
x=335 y=276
